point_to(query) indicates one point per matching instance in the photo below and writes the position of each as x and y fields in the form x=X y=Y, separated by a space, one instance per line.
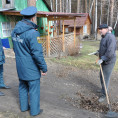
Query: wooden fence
x=56 y=45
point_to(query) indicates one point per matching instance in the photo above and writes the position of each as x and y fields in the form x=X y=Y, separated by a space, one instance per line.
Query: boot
x=2 y=85
x=2 y=94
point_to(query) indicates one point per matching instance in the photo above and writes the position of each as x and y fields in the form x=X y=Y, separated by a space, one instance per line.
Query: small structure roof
x=44 y=14
x=80 y=21
x=3 y=9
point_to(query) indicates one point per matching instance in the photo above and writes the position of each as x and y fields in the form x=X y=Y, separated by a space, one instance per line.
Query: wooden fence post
x=48 y=41
x=74 y=31
x=63 y=38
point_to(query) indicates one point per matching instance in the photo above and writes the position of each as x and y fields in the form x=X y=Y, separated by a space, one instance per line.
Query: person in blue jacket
x=2 y=61
x=107 y=57
x=30 y=62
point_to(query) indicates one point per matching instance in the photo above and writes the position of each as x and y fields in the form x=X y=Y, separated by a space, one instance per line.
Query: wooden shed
x=83 y=25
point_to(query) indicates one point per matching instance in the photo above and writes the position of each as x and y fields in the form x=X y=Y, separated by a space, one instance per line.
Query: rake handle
x=105 y=86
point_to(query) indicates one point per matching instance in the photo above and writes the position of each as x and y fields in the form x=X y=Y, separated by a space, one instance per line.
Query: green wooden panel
x=40 y=5
x=0 y=3
x=3 y=18
x=20 y=4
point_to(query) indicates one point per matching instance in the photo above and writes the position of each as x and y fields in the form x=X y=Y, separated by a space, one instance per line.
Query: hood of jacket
x=23 y=26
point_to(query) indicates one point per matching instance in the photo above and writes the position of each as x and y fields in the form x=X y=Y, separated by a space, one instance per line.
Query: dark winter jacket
x=28 y=52
x=107 y=50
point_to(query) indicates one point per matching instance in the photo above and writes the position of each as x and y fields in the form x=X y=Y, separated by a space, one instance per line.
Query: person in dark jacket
x=2 y=61
x=30 y=62
x=107 y=56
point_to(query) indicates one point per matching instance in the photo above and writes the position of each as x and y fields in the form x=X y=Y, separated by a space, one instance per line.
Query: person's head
x=103 y=29
x=110 y=29
x=29 y=13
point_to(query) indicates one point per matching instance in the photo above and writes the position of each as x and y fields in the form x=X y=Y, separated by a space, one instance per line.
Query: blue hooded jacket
x=2 y=56
x=28 y=52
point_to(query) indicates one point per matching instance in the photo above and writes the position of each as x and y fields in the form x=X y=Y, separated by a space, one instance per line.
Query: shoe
x=41 y=111
x=2 y=94
x=4 y=87
x=102 y=98
x=99 y=91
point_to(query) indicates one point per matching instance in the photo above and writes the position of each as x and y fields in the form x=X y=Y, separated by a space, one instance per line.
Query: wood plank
x=48 y=41
x=63 y=38
x=74 y=32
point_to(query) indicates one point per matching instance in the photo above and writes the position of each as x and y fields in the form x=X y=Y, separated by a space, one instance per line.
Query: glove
x=99 y=61
x=96 y=53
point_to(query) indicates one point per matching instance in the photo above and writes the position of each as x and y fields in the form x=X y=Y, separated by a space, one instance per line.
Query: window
x=85 y=29
x=7 y=1
x=7 y=28
x=66 y=30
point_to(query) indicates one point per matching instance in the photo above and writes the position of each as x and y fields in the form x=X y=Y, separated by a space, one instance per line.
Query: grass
x=83 y=60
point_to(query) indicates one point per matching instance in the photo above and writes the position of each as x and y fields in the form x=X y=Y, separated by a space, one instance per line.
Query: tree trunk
x=101 y=12
x=116 y=21
x=111 y=14
x=56 y=6
x=78 y=6
x=96 y=20
x=54 y=9
x=69 y=6
x=51 y=4
x=108 y=13
x=91 y=8
x=63 y=5
x=60 y=6
x=85 y=6
x=31 y=3
x=66 y=6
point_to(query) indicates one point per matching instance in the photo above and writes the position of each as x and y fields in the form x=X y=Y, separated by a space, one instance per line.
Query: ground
x=66 y=92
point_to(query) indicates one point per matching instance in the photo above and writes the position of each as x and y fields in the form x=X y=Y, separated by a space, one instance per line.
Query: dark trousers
x=107 y=70
x=29 y=96
x=1 y=75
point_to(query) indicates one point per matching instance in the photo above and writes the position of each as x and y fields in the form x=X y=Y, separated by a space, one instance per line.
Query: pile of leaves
x=91 y=103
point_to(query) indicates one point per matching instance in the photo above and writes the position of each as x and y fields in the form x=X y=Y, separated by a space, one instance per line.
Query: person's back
x=29 y=61
x=27 y=50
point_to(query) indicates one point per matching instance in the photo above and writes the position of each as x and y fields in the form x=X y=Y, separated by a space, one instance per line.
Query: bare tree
x=31 y=2
x=78 y=6
x=51 y=4
x=111 y=13
x=56 y=6
x=54 y=9
x=101 y=12
x=60 y=5
x=91 y=8
x=69 y=6
x=108 y=12
x=86 y=3
x=116 y=22
x=96 y=20
x=66 y=6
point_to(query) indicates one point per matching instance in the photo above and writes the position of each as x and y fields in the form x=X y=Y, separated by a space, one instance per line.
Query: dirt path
x=66 y=92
